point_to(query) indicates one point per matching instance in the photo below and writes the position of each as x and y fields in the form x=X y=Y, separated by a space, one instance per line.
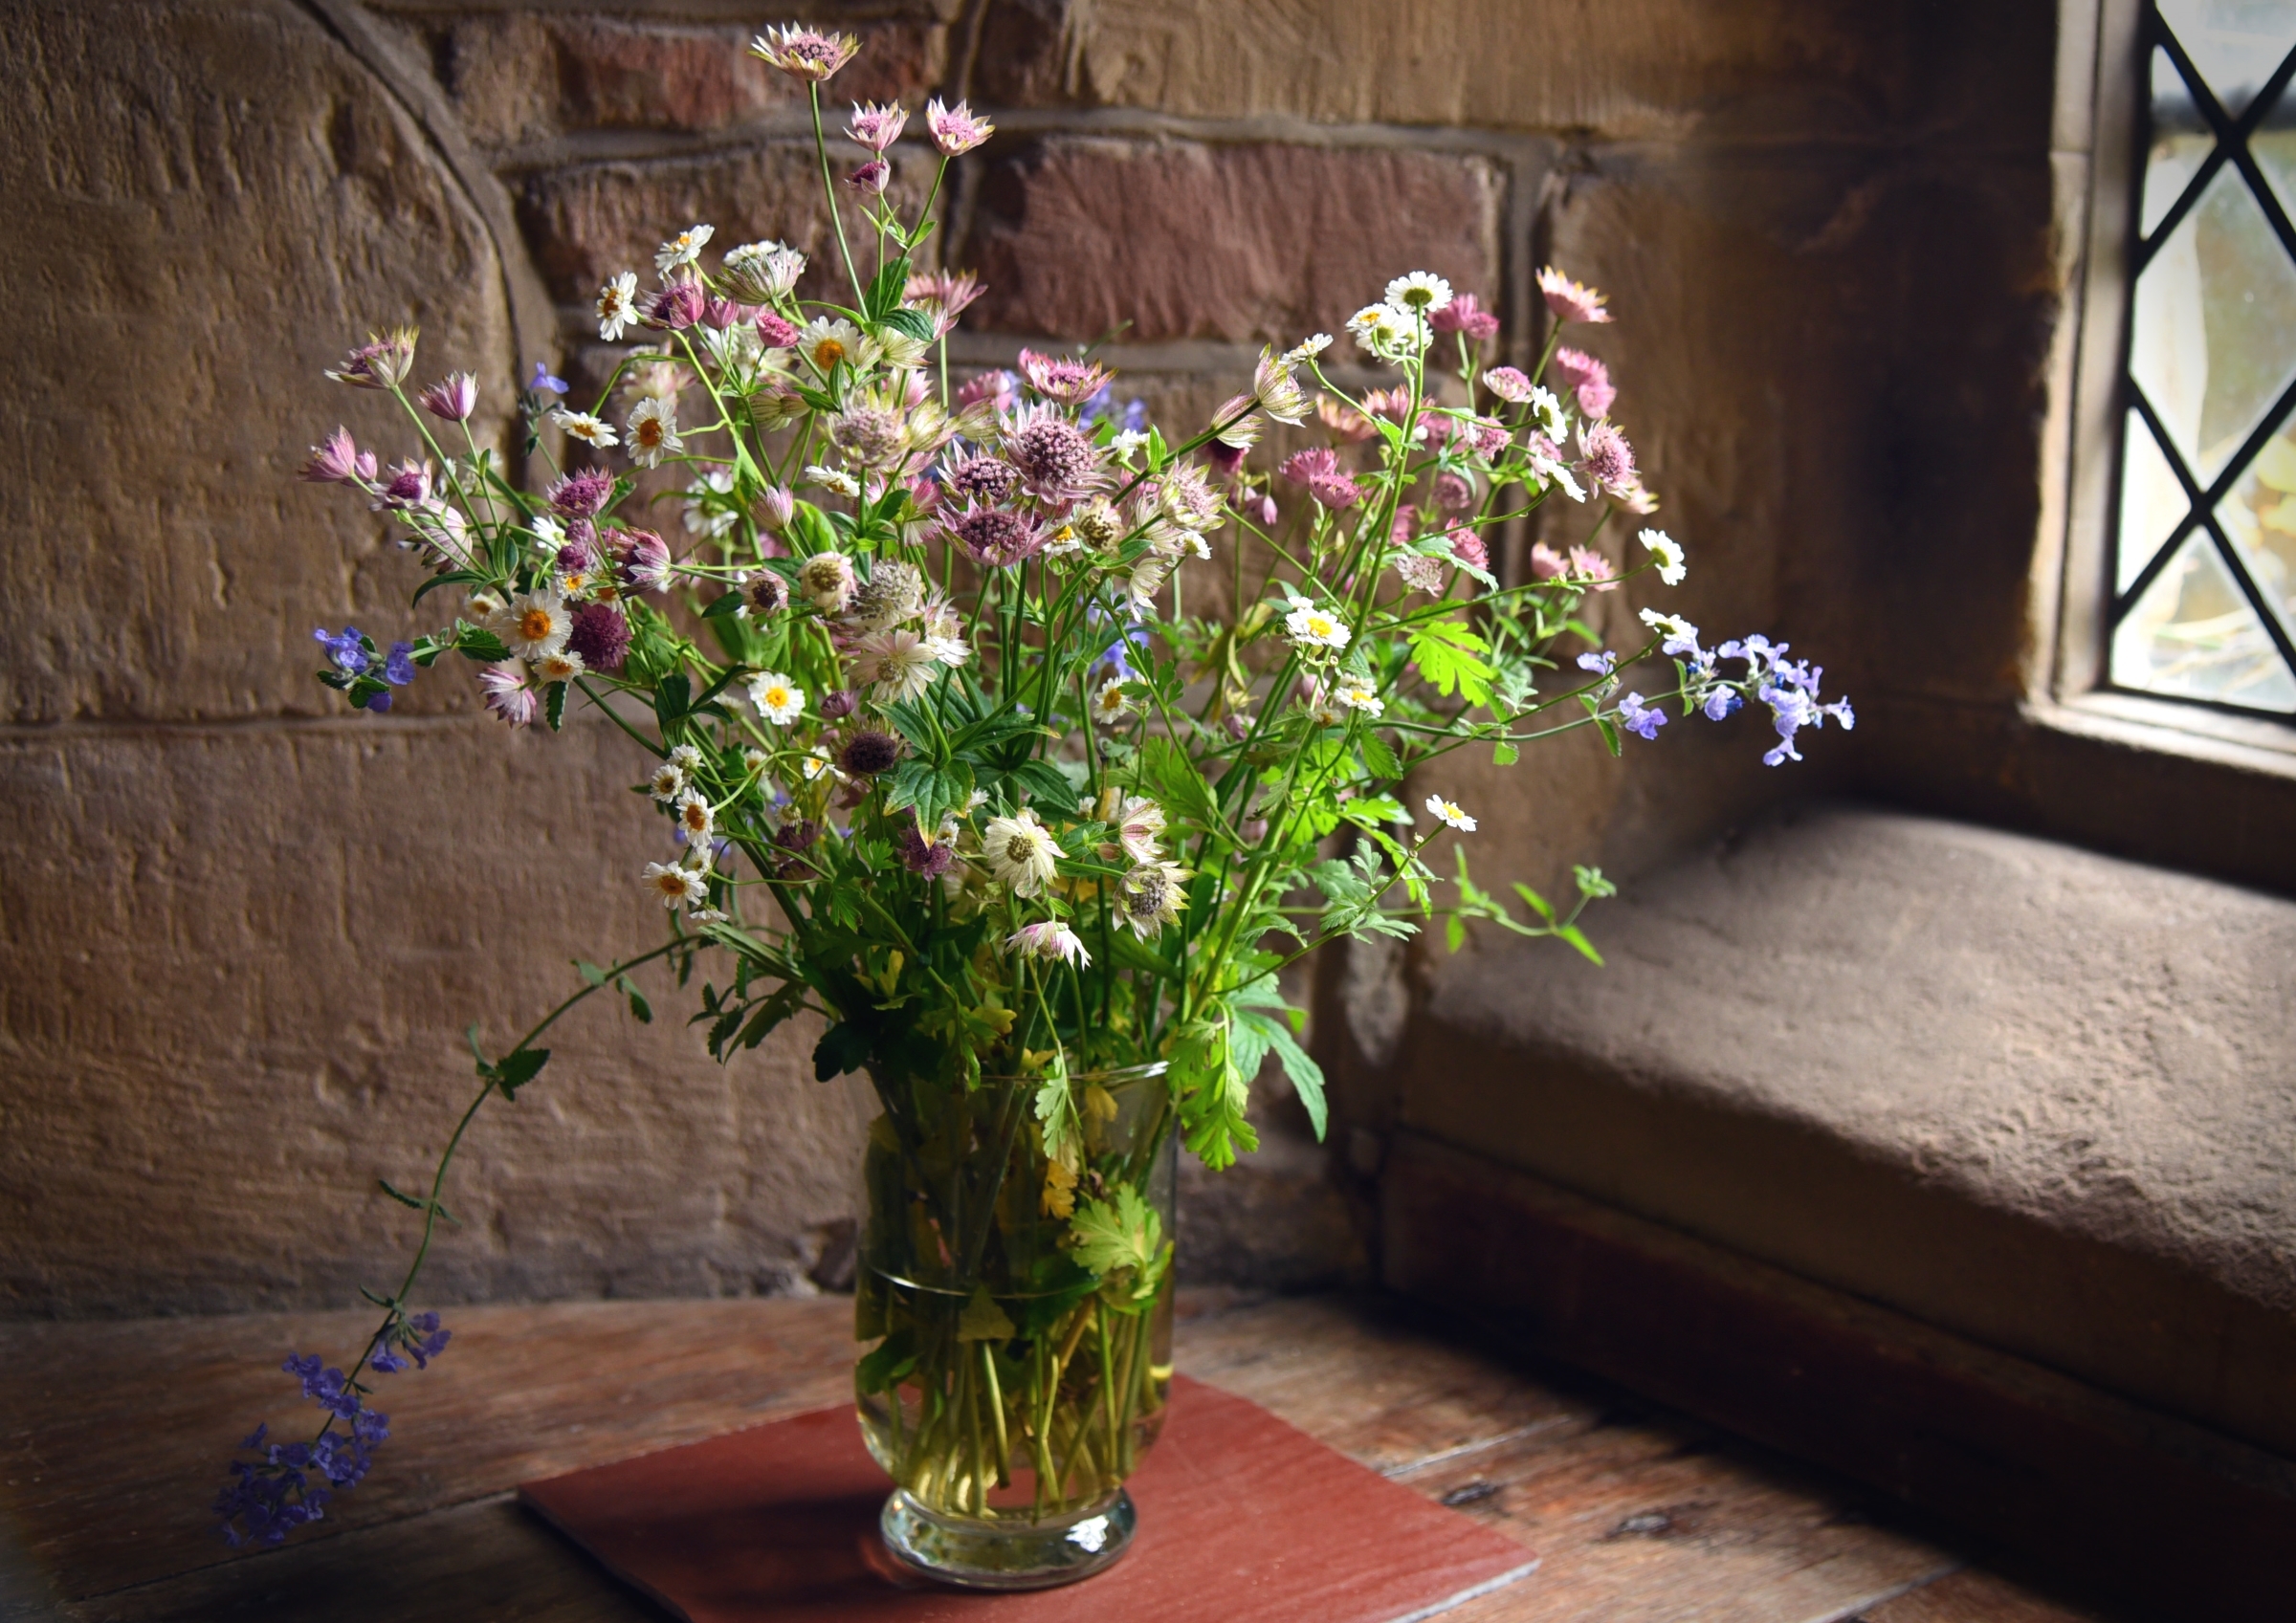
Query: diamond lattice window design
x=2203 y=604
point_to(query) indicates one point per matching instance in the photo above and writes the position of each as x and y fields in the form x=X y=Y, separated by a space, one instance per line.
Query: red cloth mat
x=1242 y=1517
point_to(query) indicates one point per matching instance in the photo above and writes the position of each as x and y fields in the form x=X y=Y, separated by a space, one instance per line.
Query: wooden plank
x=1974 y=1597
x=117 y=1434
x=2090 y=1484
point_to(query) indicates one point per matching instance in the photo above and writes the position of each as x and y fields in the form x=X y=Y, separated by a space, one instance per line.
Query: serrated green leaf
x=912 y=324
x=516 y=1069
x=983 y=1320
x=589 y=972
x=554 y=705
x=1378 y=758
x=1505 y=753
x=1123 y=1232
x=1448 y=654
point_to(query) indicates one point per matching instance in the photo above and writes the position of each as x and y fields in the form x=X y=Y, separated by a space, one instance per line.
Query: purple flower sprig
x=359 y=673
x=1788 y=687
x=289 y=1484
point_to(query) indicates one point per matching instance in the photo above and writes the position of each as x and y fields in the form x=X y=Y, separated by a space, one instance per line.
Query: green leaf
x=1609 y=730
x=1172 y=777
x=1454 y=932
x=484 y=646
x=1048 y=786
x=1119 y=1233
x=1305 y=1074
x=721 y=607
x=554 y=705
x=1447 y=652
x=772 y=1012
x=1505 y=753
x=888 y=1364
x=671 y=697
x=983 y=1320
x=912 y=323
x=638 y=1005
x=591 y=972
x=1572 y=934
x=1536 y=902
x=518 y=1068
x=842 y=1048
x=1378 y=758
x=884 y=295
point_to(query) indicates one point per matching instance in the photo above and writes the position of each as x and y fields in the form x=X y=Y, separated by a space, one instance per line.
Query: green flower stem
x=828 y=187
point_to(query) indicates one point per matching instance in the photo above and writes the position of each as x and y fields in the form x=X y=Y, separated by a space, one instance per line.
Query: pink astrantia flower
x=580 y=495
x=876 y=127
x=1546 y=563
x=1590 y=565
x=804 y=53
x=943 y=297
x=1465 y=314
x=1420 y=572
x=1588 y=377
x=340 y=461
x=645 y=561
x=869 y=179
x=1508 y=383
x=1468 y=549
x=776 y=332
x=1305 y=466
x=995 y=536
x=676 y=307
x=1058 y=460
x=956 y=129
x=1049 y=940
x=1057 y=377
x=1000 y=389
x=1570 y=300
x=408 y=485
x=454 y=396
x=1638 y=499
x=724 y=314
x=1343 y=420
x=1452 y=493
x=1607 y=456
x=507 y=694
x=1394 y=405
x=381 y=362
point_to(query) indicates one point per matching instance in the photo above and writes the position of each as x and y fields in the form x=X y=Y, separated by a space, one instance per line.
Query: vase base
x=1012 y=1555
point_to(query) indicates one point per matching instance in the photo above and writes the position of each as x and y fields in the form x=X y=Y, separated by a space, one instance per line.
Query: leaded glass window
x=2204 y=584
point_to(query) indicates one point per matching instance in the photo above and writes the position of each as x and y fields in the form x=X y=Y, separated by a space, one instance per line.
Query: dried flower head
x=870 y=752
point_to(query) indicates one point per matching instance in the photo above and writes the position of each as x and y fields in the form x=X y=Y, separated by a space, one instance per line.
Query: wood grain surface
x=112 y=1437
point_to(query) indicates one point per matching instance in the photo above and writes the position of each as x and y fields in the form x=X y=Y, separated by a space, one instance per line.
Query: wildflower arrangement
x=945 y=762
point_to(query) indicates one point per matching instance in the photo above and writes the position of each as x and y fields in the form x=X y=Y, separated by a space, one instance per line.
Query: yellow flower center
x=827 y=353
x=534 y=625
x=649 y=433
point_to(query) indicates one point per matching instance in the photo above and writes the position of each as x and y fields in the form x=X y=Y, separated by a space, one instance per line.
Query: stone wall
x=245 y=931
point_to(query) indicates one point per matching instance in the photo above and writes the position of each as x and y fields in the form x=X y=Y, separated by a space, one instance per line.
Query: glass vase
x=1007 y=1390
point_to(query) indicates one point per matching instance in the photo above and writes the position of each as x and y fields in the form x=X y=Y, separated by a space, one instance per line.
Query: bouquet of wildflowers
x=946 y=761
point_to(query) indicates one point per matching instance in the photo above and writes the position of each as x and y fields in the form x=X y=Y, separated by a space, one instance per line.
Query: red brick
x=1187 y=241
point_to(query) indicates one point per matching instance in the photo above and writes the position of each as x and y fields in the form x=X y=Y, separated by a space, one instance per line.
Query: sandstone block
x=237 y=971
x=529 y=75
x=1964 y=74
x=268 y=203
x=587 y=221
x=1076 y=235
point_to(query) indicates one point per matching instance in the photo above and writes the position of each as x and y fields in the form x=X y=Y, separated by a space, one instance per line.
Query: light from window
x=2204 y=588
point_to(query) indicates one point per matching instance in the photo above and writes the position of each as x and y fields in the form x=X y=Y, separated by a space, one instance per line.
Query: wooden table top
x=113 y=1438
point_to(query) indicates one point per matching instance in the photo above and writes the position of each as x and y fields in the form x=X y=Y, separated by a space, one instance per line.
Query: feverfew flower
x=677 y=886
x=1668 y=553
x=667 y=782
x=1049 y=940
x=1449 y=813
x=582 y=426
x=1570 y=300
x=1422 y=290
x=778 y=699
x=1021 y=852
x=1681 y=636
x=1307 y=349
x=1547 y=414
x=653 y=432
x=696 y=820
x=1383 y=331
x=704 y=517
x=562 y=666
x=827 y=340
x=1310 y=627
x=617 y=306
x=957 y=129
x=1113 y=703
x=804 y=53
x=1357 y=695
x=536 y=624
x=683 y=248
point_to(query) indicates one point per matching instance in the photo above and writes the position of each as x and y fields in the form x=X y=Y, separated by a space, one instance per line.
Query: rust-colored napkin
x=1243 y=1518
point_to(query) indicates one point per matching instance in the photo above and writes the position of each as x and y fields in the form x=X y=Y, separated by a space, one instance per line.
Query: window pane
x=2152 y=503
x=2193 y=636
x=2258 y=513
x=2236 y=44
x=2214 y=338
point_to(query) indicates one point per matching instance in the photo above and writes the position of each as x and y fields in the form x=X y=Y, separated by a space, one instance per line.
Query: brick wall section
x=1825 y=229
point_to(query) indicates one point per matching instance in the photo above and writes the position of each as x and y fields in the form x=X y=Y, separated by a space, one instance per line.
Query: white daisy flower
x=755 y=758
x=1360 y=695
x=667 y=782
x=677 y=887
x=686 y=758
x=695 y=818
x=534 y=625
x=1308 y=349
x=975 y=801
x=834 y=478
x=703 y=517
x=1547 y=414
x=1312 y=628
x=778 y=699
x=1049 y=940
x=1449 y=813
x=653 y=432
x=827 y=340
x=683 y=248
x=1668 y=552
x=562 y=666
x=549 y=530
x=582 y=427
x=1125 y=444
x=1021 y=852
x=1422 y=290
x=816 y=761
x=1113 y=703
x=617 y=306
x=706 y=915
